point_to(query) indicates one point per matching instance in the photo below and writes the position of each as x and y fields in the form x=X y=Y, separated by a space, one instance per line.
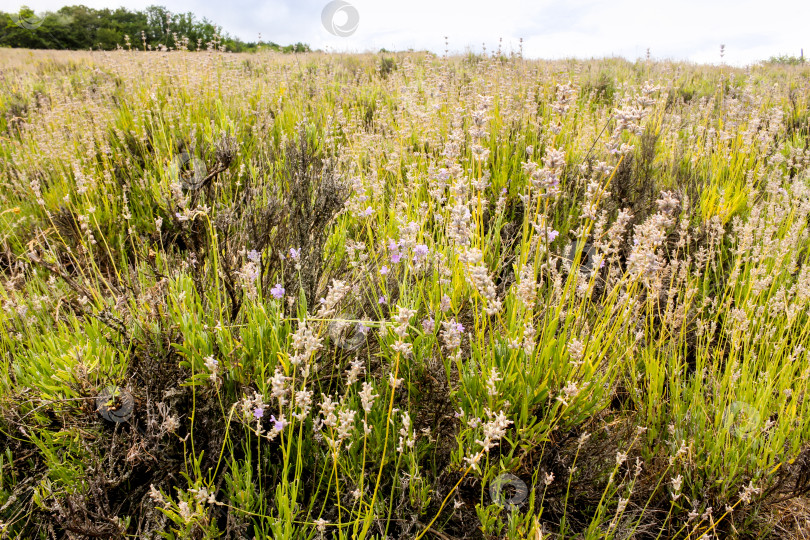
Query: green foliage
x=80 y=27
x=387 y=65
x=787 y=60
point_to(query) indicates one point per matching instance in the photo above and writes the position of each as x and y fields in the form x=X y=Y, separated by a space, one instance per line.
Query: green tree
x=81 y=27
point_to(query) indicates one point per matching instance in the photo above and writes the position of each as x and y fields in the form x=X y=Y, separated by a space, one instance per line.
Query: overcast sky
x=752 y=30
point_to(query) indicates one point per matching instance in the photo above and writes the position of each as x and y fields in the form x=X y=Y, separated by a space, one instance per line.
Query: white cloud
x=689 y=29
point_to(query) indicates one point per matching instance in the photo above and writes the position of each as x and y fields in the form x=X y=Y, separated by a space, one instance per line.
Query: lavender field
x=402 y=295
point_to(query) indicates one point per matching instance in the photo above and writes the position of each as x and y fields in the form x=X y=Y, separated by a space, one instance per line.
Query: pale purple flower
x=254 y=255
x=258 y=412
x=382 y=300
x=277 y=291
x=368 y=211
x=278 y=425
x=295 y=253
x=251 y=272
x=445 y=304
x=420 y=252
x=384 y=270
x=428 y=325
x=393 y=247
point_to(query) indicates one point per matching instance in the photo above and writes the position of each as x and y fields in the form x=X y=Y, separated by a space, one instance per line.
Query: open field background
x=403 y=296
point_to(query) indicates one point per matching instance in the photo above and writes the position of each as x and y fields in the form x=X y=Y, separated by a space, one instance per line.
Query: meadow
x=402 y=295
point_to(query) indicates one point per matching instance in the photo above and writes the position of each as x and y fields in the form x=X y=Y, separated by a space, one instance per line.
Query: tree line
x=154 y=28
